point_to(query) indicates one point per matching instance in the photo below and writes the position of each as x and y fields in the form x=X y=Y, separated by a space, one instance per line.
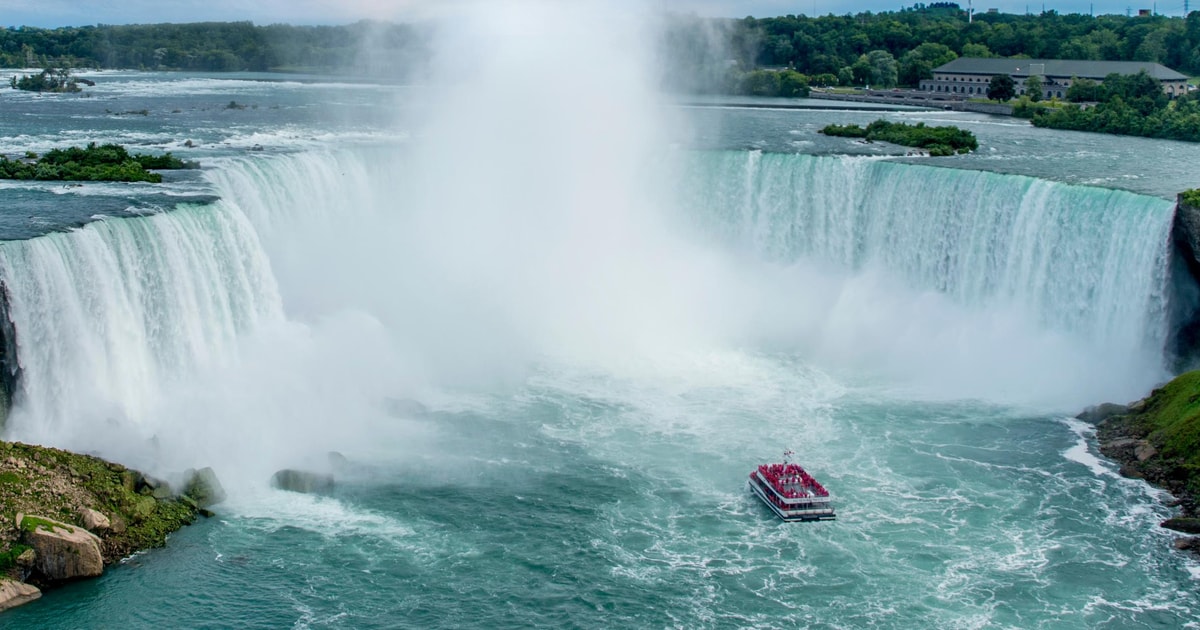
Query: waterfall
x=108 y=315
x=987 y=284
x=1091 y=261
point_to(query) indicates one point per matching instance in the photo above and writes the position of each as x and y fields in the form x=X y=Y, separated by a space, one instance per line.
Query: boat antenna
x=787 y=455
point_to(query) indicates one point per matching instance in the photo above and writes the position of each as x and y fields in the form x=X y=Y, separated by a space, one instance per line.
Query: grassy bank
x=1158 y=439
x=58 y=484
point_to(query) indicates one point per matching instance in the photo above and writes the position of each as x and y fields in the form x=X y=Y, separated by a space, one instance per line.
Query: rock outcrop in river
x=65 y=516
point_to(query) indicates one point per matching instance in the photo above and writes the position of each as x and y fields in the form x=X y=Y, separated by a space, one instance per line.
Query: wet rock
x=1102 y=412
x=204 y=488
x=1183 y=524
x=338 y=462
x=13 y=594
x=1123 y=449
x=404 y=407
x=64 y=552
x=1145 y=451
x=154 y=487
x=1188 y=543
x=1131 y=472
x=302 y=481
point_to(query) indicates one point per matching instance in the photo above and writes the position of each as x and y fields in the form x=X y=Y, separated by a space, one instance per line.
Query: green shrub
x=9 y=558
x=939 y=141
x=107 y=162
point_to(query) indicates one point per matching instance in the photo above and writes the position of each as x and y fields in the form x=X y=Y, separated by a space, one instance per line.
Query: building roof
x=1059 y=68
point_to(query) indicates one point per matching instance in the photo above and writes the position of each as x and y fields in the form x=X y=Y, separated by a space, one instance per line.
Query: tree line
x=713 y=55
x=1131 y=105
x=217 y=47
x=903 y=47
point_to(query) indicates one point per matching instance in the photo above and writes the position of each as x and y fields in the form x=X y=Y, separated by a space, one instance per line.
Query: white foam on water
x=1081 y=451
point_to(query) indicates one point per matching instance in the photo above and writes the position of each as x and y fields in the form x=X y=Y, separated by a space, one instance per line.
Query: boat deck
x=792 y=493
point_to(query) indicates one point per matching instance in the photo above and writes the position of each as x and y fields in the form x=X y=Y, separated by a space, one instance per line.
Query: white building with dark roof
x=970 y=76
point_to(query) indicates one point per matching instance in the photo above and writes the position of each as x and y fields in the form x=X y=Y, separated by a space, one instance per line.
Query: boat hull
x=822 y=513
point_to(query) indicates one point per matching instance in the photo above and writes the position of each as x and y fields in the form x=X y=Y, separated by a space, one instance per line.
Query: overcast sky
x=50 y=13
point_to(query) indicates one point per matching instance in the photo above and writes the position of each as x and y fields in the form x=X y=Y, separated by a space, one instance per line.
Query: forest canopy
x=714 y=55
x=218 y=47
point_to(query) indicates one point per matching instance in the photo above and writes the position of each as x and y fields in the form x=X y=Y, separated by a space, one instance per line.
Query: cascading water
x=675 y=317
x=1008 y=277
x=108 y=316
x=1088 y=266
x=1085 y=259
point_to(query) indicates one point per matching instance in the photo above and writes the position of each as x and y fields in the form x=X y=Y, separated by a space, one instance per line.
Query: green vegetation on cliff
x=1158 y=439
x=938 y=141
x=1170 y=421
x=57 y=484
x=1191 y=197
x=107 y=162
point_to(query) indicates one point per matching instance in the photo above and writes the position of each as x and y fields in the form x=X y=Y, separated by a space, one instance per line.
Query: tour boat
x=791 y=492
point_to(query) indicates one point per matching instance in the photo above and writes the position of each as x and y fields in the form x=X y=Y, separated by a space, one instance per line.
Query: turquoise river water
x=552 y=339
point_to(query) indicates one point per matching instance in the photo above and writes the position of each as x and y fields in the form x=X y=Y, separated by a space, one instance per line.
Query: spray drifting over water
x=531 y=217
x=519 y=223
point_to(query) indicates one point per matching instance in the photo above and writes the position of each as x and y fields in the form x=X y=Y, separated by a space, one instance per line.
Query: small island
x=58 y=80
x=104 y=163
x=939 y=141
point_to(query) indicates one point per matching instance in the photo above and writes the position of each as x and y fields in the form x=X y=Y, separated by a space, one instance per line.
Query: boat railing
x=790 y=482
x=824 y=500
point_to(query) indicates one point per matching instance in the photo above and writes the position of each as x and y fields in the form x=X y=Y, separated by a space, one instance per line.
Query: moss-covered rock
x=67 y=487
x=63 y=552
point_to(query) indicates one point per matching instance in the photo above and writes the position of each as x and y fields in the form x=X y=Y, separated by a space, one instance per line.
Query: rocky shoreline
x=1158 y=439
x=65 y=516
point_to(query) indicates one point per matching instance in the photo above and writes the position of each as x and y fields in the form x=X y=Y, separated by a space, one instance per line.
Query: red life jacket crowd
x=791 y=481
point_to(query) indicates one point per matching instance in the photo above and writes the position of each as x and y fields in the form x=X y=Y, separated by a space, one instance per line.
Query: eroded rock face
x=302 y=481
x=64 y=552
x=13 y=594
